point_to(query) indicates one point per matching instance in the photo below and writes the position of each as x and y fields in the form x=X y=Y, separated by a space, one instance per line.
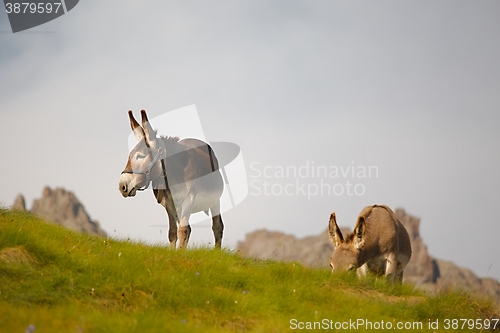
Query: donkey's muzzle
x=126 y=190
x=123 y=189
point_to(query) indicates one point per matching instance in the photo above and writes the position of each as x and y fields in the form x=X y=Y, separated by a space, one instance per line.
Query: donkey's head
x=346 y=253
x=143 y=162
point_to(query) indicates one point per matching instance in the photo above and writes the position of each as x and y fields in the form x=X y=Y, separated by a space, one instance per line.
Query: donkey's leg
x=173 y=219
x=183 y=233
x=172 y=230
x=391 y=267
x=362 y=271
x=164 y=197
x=184 y=230
x=217 y=224
x=399 y=278
x=399 y=270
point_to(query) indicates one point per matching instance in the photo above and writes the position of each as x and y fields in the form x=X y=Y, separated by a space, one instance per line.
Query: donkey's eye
x=139 y=157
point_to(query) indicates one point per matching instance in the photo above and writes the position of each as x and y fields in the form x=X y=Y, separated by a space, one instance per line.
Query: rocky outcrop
x=452 y=276
x=423 y=270
x=61 y=207
x=19 y=203
x=312 y=251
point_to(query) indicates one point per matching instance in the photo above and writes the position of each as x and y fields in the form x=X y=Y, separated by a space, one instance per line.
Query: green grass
x=61 y=281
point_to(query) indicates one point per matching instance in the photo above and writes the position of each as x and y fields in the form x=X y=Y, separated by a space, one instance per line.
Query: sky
x=309 y=90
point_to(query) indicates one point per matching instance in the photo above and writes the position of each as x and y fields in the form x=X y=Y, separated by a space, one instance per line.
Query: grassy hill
x=61 y=281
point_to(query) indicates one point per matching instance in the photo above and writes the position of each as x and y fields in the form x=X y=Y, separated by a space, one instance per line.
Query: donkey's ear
x=360 y=233
x=136 y=128
x=148 y=130
x=334 y=231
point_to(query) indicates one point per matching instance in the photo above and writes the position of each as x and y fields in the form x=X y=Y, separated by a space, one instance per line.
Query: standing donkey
x=185 y=177
x=379 y=244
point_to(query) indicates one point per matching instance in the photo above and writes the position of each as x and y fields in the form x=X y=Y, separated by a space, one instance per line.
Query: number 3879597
x=31 y=7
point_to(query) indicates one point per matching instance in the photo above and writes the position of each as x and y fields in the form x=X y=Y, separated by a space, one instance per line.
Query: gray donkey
x=379 y=244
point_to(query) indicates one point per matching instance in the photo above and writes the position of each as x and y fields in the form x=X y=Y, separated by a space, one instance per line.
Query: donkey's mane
x=170 y=138
x=172 y=144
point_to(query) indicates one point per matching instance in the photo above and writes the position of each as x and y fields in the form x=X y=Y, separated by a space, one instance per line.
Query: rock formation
x=19 y=203
x=423 y=270
x=452 y=276
x=61 y=207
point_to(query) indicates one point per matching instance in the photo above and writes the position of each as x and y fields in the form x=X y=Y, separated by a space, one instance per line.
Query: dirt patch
x=17 y=255
x=375 y=295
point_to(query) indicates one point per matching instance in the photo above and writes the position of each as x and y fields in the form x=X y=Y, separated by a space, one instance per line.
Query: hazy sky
x=411 y=89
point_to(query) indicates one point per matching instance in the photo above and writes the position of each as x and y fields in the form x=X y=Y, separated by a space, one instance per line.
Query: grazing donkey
x=185 y=176
x=379 y=244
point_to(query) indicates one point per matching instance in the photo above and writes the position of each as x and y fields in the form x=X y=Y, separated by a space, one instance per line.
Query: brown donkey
x=185 y=177
x=379 y=244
